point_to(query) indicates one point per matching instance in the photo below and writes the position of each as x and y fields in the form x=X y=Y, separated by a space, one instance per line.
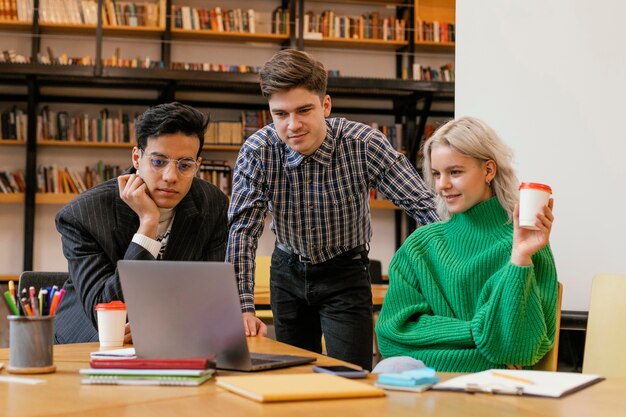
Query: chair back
x=551 y=360
x=40 y=279
x=376 y=272
x=606 y=327
x=262 y=278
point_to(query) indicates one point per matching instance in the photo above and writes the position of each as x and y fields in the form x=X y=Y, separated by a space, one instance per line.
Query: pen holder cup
x=30 y=345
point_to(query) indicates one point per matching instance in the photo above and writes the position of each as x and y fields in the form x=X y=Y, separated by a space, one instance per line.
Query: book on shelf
x=158 y=377
x=253 y=120
x=107 y=127
x=370 y=25
x=426 y=73
x=62 y=180
x=393 y=133
x=280 y=21
x=13 y=124
x=16 y=10
x=438 y=32
x=210 y=67
x=12 y=182
x=148 y=14
x=218 y=173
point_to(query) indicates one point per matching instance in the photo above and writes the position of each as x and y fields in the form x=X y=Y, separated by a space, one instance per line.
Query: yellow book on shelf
x=294 y=387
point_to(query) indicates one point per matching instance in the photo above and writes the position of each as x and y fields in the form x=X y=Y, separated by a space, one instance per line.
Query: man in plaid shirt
x=313 y=174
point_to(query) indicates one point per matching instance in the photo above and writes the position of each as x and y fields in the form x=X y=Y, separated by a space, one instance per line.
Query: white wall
x=548 y=75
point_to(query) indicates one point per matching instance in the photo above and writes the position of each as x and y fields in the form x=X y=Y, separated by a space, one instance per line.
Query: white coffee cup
x=532 y=198
x=111 y=323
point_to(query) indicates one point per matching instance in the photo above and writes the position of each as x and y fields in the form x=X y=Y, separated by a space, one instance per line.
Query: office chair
x=40 y=279
x=606 y=334
x=551 y=359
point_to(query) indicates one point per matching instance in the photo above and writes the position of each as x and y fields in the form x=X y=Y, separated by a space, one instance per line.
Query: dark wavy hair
x=170 y=118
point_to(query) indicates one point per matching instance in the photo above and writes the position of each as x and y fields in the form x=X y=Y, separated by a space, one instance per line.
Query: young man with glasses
x=157 y=210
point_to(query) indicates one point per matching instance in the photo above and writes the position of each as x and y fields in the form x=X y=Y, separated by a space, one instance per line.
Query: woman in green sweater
x=475 y=291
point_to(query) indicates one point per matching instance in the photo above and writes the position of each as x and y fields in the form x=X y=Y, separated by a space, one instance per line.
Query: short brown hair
x=289 y=69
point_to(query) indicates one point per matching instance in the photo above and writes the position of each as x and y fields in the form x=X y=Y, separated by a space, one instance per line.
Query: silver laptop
x=190 y=309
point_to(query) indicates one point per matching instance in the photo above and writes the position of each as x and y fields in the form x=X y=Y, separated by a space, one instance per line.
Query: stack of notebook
x=177 y=372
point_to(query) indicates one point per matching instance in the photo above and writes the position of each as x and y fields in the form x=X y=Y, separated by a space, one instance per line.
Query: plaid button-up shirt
x=319 y=204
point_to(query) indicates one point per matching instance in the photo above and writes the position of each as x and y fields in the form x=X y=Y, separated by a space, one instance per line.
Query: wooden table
x=62 y=395
x=262 y=295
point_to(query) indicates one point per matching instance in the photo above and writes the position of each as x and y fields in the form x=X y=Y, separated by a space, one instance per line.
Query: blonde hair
x=473 y=137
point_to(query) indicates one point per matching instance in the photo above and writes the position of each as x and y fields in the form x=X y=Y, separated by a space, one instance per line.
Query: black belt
x=357 y=250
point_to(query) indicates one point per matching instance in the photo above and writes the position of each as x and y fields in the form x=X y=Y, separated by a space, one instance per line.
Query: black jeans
x=333 y=298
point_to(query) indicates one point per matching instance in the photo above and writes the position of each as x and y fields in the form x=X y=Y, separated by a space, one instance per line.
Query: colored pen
x=10 y=303
x=51 y=294
x=45 y=306
x=53 y=305
x=56 y=301
x=26 y=307
x=22 y=296
x=33 y=303
x=61 y=295
x=12 y=291
x=512 y=377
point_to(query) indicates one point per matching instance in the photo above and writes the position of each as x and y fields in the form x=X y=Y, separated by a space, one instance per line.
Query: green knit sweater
x=456 y=302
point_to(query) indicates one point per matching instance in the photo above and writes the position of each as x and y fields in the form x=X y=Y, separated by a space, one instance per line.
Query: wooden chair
x=606 y=327
x=262 y=278
x=40 y=279
x=550 y=361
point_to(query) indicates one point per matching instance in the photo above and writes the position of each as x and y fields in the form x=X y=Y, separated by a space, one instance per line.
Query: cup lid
x=113 y=305
x=535 y=186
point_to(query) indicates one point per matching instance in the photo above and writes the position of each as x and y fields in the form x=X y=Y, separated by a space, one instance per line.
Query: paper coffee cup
x=111 y=323
x=532 y=198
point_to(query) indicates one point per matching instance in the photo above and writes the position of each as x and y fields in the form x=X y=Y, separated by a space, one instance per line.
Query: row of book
x=393 y=134
x=107 y=127
x=122 y=367
x=13 y=124
x=426 y=73
x=215 y=19
x=12 y=182
x=16 y=10
x=134 y=14
x=68 y=11
x=367 y=26
x=59 y=180
x=62 y=180
x=218 y=173
x=209 y=67
x=435 y=31
x=117 y=126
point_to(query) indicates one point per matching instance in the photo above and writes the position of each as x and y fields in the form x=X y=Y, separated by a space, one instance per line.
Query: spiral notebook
x=160 y=377
x=520 y=382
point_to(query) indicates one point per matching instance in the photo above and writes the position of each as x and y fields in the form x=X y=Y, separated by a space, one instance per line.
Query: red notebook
x=182 y=363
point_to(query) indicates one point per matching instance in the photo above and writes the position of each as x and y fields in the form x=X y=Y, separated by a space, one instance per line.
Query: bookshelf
x=405 y=101
x=430 y=11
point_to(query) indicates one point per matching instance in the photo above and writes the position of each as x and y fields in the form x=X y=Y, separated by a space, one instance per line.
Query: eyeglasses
x=186 y=167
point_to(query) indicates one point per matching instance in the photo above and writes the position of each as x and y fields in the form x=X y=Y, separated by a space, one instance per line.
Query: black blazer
x=96 y=231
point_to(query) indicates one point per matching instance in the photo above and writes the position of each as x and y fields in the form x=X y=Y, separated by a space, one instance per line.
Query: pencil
x=512 y=377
